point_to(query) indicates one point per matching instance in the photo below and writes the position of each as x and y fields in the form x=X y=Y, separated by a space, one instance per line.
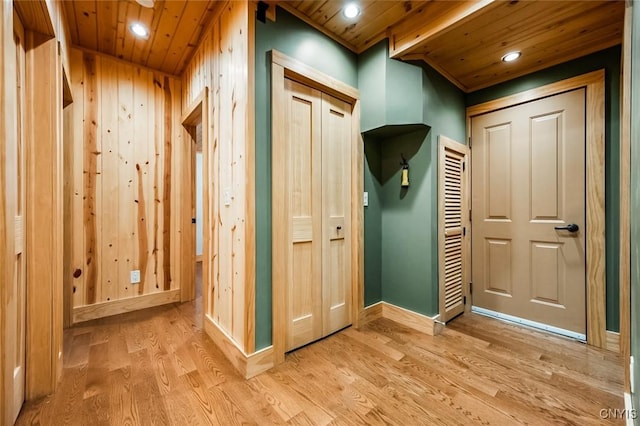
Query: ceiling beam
x=432 y=20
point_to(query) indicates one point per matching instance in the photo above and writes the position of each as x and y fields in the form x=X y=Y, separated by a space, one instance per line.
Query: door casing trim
x=594 y=84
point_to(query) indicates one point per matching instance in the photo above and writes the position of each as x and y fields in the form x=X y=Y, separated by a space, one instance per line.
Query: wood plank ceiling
x=463 y=40
x=175 y=30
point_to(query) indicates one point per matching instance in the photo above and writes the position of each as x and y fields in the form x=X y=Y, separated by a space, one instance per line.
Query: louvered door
x=452 y=224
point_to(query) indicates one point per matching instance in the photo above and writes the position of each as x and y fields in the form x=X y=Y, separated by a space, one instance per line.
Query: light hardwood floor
x=158 y=367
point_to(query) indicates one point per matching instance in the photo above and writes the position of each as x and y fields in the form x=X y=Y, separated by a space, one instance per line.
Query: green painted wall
x=372 y=72
x=400 y=225
x=372 y=224
x=389 y=107
x=635 y=203
x=298 y=40
x=404 y=109
x=609 y=60
x=409 y=220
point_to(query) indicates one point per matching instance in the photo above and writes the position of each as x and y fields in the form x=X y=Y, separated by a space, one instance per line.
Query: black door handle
x=572 y=227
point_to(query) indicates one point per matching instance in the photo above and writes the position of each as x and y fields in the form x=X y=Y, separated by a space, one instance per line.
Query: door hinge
x=469 y=215
x=470 y=288
x=469 y=142
x=464 y=165
x=464 y=231
x=464 y=300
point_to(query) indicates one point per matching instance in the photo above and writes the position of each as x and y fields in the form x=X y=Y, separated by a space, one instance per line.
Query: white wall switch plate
x=135 y=277
x=365 y=199
x=226 y=195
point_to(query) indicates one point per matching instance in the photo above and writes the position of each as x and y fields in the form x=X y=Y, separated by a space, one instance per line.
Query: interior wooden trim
x=411 y=319
x=6 y=25
x=250 y=197
x=613 y=341
x=121 y=306
x=196 y=112
x=419 y=322
x=593 y=82
x=283 y=67
x=357 y=216
x=36 y=16
x=303 y=73
x=44 y=216
x=247 y=365
x=280 y=216
x=625 y=200
x=370 y=313
x=444 y=143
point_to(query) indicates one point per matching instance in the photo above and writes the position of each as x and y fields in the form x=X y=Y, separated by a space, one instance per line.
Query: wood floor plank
x=123 y=400
x=157 y=366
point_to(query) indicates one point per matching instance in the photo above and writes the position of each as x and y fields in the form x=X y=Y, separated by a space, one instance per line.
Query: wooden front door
x=318 y=297
x=528 y=212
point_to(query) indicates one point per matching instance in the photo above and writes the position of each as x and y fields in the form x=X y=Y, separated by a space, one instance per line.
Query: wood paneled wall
x=6 y=220
x=44 y=239
x=125 y=211
x=43 y=173
x=224 y=65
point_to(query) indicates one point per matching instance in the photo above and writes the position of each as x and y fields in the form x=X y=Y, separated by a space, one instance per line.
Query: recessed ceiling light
x=511 y=56
x=351 y=10
x=140 y=30
x=145 y=3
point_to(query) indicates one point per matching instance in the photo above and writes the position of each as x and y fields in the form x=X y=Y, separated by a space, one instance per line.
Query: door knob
x=338 y=227
x=572 y=227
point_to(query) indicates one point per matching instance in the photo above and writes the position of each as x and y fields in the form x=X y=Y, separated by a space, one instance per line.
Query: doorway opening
x=198 y=188
x=192 y=220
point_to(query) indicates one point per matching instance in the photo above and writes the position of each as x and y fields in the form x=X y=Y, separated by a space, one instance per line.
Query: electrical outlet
x=365 y=199
x=135 y=277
